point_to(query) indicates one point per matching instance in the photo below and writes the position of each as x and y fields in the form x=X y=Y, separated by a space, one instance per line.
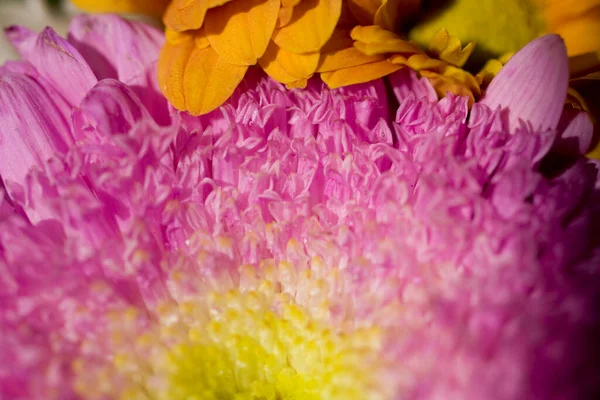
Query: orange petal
x=287 y=67
x=558 y=11
x=285 y=16
x=311 y=26
x=156 y=7
x=240 y=31
x=209 y=81
x=299 y=84
x=372 y=40
x=364 y=10
x=581 y=34
x=393 y=13
x=359 y=74
x=182 y=15
x=347 y=20
x=289 y=3
x=171 y=66
x=339 y=52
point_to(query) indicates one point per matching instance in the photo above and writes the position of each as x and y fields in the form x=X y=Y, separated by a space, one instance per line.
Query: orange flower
x=211 y=43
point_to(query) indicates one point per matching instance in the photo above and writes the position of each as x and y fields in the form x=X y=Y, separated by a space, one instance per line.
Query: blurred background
x=34 y=14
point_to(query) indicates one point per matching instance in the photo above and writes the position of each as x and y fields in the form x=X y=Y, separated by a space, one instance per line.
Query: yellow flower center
x=252 y=343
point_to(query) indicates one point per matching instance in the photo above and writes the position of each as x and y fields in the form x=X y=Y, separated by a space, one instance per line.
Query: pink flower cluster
x=465 y=235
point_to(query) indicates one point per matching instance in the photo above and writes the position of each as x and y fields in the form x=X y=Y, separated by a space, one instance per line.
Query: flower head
x=291 y=243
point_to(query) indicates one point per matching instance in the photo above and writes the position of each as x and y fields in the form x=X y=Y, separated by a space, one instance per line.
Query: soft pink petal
x=125 y=50
x=109 y=108
x=532 y=86
x=115 y=47
x=33 y=129
x=576 y=132
x=405 y=83
x=56 y=60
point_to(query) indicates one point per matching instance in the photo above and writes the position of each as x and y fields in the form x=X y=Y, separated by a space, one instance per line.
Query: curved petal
x=33 y=129
x=171 y=66
x=394 y=12
x=312 y=25
x=209 y=80
x=533 y=84
x=56 y=60
x=115 y=47
x=183 y=15
x=110 y=108
x=339 y=52
x=449 y=48
x=240 y=31
x=372 y=40
x=287 y=67
x=359 y=74
x=364 y=10
x=406 y=83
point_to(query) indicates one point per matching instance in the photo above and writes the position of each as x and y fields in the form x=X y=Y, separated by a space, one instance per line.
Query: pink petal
x=405 y=82
x=56 y=60
x=533 y=84
x=576 y=132
x=124 y=50
x=33 y=129
x=115 y=47
x=109 y=108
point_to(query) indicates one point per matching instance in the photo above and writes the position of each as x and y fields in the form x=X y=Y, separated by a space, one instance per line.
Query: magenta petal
x=56 y=60
x=33 y=129
x=533 y=84
x=109 y=108
x=405 y=82
x=576 y=132
x=124 y=50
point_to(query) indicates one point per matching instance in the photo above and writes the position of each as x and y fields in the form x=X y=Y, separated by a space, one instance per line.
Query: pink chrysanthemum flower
x=304 y=244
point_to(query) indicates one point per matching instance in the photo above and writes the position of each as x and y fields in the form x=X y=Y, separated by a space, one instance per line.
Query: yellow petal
x=488 y=72
x=240 y=31
x=448 y=48
x=444 y=84
x=311 y=26
x=209 y=80
x=595 y=153
x=156 y=7
x=287 y=67
x=364 y=10
x=339 y=52
x=393 y=13
x=359 y=74
x=420 y=62
x=373 y=40
x=171 y=66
